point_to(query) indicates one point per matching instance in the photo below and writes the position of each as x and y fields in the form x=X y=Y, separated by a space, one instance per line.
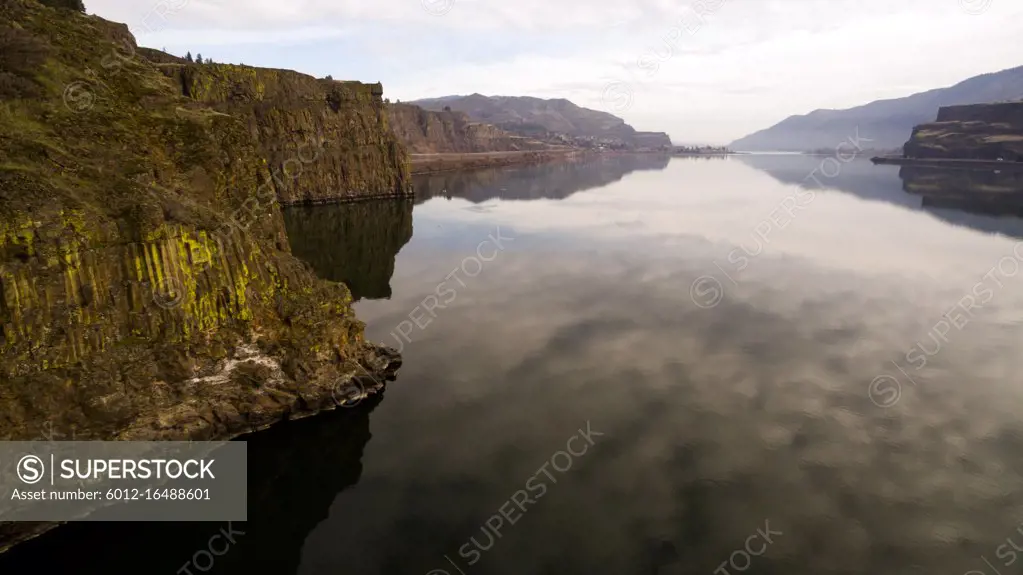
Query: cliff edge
x=147 y=289
x=972 y=132
x=285 y=112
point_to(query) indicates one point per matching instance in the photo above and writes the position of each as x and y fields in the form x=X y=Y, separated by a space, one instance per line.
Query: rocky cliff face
x=652 y=141
x=429 y=132
x=147 y=289
x=975 y=132
x=323 y=140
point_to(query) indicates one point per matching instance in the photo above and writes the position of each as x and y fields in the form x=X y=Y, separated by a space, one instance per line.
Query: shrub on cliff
x=21 y=54
x=69 y=4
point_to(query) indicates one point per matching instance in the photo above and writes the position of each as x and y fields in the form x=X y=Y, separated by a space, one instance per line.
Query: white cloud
x=746 y=64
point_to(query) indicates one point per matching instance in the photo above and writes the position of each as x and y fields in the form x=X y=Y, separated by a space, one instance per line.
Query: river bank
x=965 y=164
x=437 y=163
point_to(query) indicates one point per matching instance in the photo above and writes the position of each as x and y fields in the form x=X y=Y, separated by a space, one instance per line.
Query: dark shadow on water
x=354 y=244
x=981 y=200
x=552 y=180
x=296 y=471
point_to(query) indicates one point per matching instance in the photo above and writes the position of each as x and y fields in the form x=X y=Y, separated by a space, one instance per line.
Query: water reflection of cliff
x=973 y=199
x=295 y=471
x=858 y=177
x=975 y=191
x=552 y=180
x=352 y=243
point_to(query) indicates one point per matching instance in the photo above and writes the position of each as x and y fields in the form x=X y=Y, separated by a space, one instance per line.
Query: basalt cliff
x=329 y=140
x=147 y=288
x=974 y=132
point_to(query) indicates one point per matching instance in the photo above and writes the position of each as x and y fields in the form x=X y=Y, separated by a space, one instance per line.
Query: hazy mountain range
x=888 y=123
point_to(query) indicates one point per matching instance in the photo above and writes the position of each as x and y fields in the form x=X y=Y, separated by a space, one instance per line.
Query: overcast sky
x=704 y=71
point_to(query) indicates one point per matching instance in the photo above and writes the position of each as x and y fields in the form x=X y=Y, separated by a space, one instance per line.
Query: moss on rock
x=139 y=263
x=971 y=132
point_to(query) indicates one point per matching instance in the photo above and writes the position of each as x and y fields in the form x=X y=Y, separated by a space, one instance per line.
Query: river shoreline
x=449 y=162
x=949 y=163
x=379 y=364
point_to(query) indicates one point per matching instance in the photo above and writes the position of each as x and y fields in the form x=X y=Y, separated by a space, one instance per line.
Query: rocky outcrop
x=159 y=56
x=147 y=289
x=429 y=132
x=323 y=140
x=652 y=141
x=975 y=132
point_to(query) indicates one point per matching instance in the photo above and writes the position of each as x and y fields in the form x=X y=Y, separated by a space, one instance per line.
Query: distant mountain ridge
x=886 y=123
x=545 y=119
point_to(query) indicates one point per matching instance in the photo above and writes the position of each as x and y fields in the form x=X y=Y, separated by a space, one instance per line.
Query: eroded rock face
x=147 y=289
x=652 y=141
x=142 y=293
x=323 y=140
x=975 y=132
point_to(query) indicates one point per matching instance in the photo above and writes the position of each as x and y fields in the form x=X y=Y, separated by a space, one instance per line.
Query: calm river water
x=639 y=366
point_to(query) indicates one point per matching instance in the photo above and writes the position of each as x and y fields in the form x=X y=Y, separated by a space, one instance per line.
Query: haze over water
x=765 y=408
